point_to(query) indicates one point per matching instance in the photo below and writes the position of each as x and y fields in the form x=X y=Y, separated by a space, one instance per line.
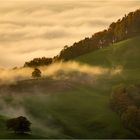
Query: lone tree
x=36 y=73
x=19 y=125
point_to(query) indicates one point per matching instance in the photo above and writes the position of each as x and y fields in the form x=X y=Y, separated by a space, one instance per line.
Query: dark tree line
x=127 y=27
x=19 y=125
x=38 y=62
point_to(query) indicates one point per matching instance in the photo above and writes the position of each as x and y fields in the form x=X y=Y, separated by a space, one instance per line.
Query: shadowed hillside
x=76 y=105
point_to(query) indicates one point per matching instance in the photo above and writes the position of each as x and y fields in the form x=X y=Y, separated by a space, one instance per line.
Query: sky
x=37 y=28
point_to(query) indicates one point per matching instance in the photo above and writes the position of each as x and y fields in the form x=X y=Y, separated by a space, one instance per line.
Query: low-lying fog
x=13 y=104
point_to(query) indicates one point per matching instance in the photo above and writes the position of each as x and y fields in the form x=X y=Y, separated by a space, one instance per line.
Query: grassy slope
x=125 y=54
x=83 y=111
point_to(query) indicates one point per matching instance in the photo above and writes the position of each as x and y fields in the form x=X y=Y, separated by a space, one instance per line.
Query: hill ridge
x=127 y=27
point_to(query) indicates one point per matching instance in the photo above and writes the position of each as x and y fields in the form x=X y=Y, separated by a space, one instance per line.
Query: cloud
x=41 y=28
x=61 y=71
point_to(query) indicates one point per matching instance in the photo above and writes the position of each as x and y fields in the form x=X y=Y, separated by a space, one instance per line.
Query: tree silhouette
x=36 y=73
x=19 y=125
x=38 y=62
x=124 y=28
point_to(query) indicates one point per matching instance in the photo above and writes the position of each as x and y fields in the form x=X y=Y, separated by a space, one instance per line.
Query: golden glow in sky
x=37 y=28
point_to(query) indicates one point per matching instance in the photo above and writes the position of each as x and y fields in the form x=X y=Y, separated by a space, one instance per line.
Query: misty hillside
x=125 y=28
x=75 y=69
x=75 y=104
x=124 y=53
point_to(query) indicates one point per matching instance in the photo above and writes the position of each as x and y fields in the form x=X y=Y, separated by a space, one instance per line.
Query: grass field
x=124 y=54
x=80 y=110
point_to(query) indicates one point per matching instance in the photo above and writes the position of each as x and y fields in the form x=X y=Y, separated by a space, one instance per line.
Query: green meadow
x=80 y=110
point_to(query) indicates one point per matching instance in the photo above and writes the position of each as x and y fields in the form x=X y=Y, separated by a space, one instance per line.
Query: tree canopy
x=19 y=125
x=126 y=102
x=128 y=26
x=36 y=73
x=38 y=62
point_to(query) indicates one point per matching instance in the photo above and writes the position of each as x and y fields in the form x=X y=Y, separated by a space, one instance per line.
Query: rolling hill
x=124 y=28
x=124 y=54
x=73 y=109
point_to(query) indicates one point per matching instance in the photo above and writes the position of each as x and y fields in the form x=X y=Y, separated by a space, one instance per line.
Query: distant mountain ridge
x=127 y=27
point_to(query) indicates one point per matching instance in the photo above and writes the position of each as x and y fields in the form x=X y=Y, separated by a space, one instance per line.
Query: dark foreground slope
x=68 y=108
